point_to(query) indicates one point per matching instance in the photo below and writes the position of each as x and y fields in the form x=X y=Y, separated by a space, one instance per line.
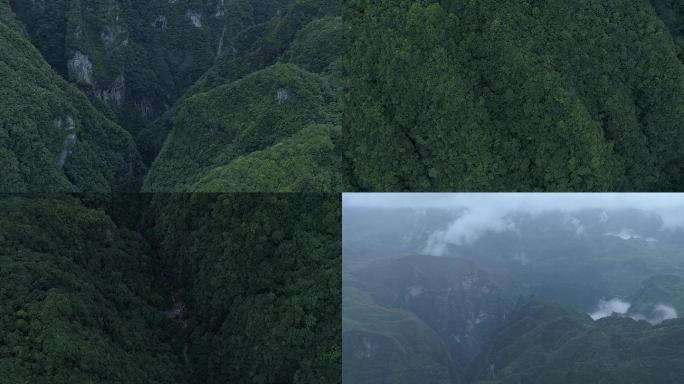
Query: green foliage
x=215 y=128
x=76 y=304
x=38 y=116
x=137 y=61
x=479 y=95
x=387 y=344
x=86 y=283
x=548 y=344
x=318 y=46
x=451 y=296
x=659 y=289
x=262 y=275
x=304 y=162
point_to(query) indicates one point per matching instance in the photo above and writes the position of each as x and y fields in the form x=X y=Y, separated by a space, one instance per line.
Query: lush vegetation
x=304 y=162
x=212 y=129
x=484 y=95
x=161 y=69
x=77 y=304
x=383 y=344
x=51 y=138
x=253 y=112
x=548 y=344
x=262 y=274
x=598 y=297
x=88 y=286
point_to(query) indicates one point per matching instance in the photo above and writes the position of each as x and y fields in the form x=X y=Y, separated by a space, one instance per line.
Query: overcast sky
x=489 y=211
x=519 y=201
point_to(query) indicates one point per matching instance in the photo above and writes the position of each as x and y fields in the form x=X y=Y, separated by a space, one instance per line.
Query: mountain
x=137 y=58
x=264 y=100
x=261 y=276
x=220 y=95
x=382 y=344
x=78 y=303
x=545 y=343
x=660 y=297
x=559 y=96
x=52 y=138
x=451 y=296
x=282 y=104
x=598 y=293
x=180 y=288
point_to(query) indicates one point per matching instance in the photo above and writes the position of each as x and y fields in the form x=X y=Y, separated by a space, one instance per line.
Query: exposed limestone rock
x=220 y=9
x=220 y=45
x=195 y=18
x=80 y=68
x=160 y=22
x=110 y=35
x=283 y=95
x=68 y=148
x=145 y=108
x=114 y=95
x=66 y=122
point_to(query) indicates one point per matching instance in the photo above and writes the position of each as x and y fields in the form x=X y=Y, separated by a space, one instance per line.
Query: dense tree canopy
x=77 y=304
x=51 y=138
x=247 y=93
x=484 y=95
x=89 y=286
x=262 y=274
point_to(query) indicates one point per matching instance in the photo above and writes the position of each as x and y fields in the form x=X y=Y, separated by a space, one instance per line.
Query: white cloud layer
x=489 y=211
x=607 y=308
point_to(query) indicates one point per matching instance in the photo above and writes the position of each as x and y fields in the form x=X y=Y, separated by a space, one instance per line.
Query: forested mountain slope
x=390 y=344
x=246 y=91
x=599 y=294
x=137 y=58
x=484 y=95
x=550 y=344
x=262 y=275
x=170 y=289
x=272 y=100
x=76 y=299
x=51 y=137
x=417 y=319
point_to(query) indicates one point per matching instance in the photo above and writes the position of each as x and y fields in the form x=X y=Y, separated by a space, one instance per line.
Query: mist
x=617 y=306
x=485 y=212
x=609 y=307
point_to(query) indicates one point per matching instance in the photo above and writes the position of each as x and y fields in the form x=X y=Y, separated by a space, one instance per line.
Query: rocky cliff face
x=451 y=296
x=51 y=137
x=136 y=58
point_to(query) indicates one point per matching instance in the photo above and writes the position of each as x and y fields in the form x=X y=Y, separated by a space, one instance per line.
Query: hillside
x=452 y=296
x=549 y=344
x=276 y=85
x=219 y=96
x=170 y=289
x=597 y=291
x=52 y=139
x=489 y=96
x=387 y=344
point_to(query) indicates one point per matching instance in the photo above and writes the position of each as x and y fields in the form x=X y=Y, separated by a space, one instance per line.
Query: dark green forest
x=240 y=288
x=177 y=96
x=484 y=95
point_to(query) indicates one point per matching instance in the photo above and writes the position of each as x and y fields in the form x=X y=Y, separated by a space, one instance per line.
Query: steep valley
x=561 y=295
x=231 y=78
x=169 y=289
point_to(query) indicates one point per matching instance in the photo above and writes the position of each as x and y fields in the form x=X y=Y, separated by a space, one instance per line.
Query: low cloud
x=659 y=313
x=616 y=306
x=609 y=307
x=467 y=229
x=628 y=234
x=490 y=211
